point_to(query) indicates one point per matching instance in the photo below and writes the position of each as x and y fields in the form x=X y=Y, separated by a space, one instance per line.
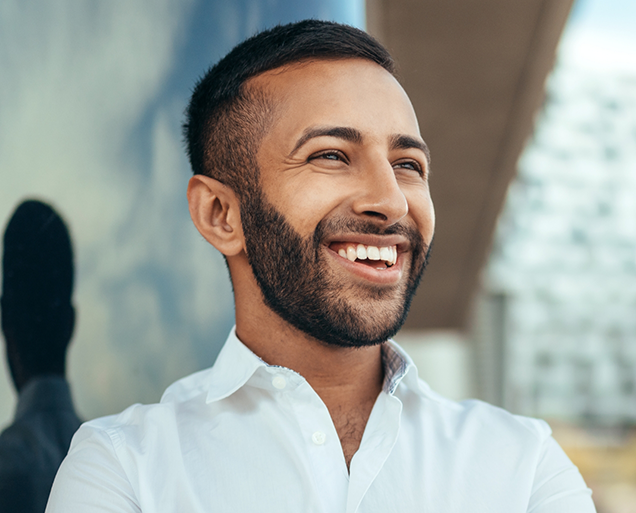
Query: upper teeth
x=355 y=252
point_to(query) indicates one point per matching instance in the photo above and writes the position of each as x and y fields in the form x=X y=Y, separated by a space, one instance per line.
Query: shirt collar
x=236 y=364
x=398 y=367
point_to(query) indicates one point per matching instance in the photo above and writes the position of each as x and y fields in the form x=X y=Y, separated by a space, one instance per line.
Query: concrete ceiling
x=475 y=71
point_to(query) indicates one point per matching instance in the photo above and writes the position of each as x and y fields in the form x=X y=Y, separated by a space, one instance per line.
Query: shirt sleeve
x=91 y=478
x=558 y=486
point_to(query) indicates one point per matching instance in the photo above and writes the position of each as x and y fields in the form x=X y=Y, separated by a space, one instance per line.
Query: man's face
x=339 y=235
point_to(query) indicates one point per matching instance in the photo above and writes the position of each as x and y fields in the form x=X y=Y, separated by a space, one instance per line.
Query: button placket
x=323 y=450
x=383 y=428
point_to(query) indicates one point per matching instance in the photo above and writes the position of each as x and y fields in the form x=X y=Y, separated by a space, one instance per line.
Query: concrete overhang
x=475 y=72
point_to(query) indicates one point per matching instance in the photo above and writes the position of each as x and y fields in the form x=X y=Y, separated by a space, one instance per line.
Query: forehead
x=346 y=92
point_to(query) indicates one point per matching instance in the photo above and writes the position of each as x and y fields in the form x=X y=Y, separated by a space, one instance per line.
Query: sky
x=600 y=35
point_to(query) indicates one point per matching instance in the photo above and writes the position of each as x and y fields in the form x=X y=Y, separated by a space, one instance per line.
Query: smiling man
x=311 y=178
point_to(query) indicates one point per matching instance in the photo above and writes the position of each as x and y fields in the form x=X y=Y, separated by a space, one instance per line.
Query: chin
x=362 y=325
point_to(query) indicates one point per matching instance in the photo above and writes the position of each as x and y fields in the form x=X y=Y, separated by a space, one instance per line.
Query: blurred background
x=529 y=108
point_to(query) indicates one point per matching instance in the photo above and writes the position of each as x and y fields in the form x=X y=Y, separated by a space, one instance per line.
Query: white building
x=556 y=328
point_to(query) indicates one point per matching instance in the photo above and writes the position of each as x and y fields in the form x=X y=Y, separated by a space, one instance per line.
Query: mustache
x=361 y=226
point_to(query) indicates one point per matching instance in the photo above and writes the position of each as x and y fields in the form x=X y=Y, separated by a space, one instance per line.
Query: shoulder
x=140 y=426
x=480 y=437
x=473 y=412
x=123 y=447
x=475 y=422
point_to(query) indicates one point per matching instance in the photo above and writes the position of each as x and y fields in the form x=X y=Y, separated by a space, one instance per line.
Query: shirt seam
x=115 y=433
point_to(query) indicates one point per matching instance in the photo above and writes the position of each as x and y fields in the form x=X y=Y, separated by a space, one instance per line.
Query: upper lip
x=379 y=241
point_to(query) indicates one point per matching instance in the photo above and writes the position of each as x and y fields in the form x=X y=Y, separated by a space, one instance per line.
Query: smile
x=367 y=254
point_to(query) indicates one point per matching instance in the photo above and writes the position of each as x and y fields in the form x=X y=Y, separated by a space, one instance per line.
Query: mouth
x=377 y=257
x=369 y=258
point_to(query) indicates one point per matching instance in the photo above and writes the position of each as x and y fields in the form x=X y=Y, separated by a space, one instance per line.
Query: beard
x=298 y=285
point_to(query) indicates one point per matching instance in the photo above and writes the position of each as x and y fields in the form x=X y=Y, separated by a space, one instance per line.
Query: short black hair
x=37 y=286
x=225 y=120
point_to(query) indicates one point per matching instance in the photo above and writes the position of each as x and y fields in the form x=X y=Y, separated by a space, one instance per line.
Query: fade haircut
x=226 y=119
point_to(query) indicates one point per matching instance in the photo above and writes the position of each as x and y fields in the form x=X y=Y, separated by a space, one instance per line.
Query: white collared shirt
x=244 y=436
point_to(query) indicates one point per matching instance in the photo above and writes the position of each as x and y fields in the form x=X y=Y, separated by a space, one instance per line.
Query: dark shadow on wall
x=38 y=319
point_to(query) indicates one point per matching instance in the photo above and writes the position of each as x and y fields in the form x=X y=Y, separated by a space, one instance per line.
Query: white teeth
x=361 y=252
x=373 y=253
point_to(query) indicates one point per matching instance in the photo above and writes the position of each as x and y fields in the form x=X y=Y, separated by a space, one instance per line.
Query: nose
x=380 y=196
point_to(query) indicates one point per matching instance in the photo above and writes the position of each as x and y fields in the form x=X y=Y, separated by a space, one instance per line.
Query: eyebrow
x=404 y=142
x=398 y=141
x=340 y=132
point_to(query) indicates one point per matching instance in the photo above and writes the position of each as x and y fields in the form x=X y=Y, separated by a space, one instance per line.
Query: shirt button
x=279 y=382
x=318 y=438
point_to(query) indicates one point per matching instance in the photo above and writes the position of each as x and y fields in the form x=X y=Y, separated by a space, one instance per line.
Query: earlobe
x=214 y=209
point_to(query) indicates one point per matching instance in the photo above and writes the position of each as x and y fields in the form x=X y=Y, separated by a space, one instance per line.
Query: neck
x=339 y=375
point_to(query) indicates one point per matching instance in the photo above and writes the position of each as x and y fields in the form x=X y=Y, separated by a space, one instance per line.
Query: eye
x=412 y=165
x=331 y=155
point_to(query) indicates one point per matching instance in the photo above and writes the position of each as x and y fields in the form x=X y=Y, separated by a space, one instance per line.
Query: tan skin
x=368 y=176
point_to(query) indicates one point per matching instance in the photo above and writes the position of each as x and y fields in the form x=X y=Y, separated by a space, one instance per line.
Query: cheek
x=423 y=213
x=306 y=202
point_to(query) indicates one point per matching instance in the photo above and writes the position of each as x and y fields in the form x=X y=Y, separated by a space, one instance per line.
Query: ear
x=214 y=209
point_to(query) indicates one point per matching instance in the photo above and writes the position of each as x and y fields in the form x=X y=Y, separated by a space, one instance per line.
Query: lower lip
x=388 y=276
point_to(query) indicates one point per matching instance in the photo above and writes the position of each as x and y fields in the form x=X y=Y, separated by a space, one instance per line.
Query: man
x=37 y=323
x=311 y=178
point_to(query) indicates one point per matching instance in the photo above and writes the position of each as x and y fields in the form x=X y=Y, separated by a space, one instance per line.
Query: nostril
x=371 y=213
